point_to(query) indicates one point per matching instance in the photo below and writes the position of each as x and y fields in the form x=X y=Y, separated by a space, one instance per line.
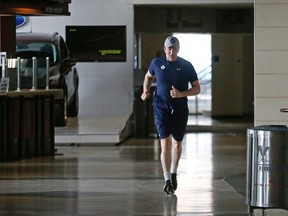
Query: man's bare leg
x=166 y=156
x=166 y=159
x=176 y=155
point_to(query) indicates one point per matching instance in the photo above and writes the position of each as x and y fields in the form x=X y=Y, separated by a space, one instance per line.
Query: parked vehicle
x=62 y=71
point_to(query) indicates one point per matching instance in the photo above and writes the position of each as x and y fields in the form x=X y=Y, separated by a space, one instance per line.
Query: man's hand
x=145 y=96
x=175 y=93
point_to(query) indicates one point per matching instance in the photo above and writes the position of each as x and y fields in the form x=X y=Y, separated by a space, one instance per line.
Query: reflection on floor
x=204 y=123
x=91 y=130
x=109 y=129
x=126 y=180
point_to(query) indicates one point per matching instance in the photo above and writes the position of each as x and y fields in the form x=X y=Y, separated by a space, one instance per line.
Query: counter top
x=58 y=93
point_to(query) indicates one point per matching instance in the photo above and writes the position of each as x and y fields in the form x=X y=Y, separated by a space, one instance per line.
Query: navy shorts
x=170 y=119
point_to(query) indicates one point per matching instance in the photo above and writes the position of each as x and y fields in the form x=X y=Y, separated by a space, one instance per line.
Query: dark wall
x=191 y=19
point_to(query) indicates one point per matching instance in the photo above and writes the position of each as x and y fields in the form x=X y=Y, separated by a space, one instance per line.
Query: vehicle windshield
x=40 y=50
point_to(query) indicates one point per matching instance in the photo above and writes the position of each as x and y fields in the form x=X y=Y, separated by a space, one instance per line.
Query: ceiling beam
x=35 y=7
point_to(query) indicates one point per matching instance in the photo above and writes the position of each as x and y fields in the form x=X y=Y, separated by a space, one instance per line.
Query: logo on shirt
x=162 y=67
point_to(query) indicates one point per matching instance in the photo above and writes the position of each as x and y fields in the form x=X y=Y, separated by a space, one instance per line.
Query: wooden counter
x=27 y=124
x=57 y=93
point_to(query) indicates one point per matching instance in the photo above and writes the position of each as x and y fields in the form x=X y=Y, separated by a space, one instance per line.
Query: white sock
x=173 y=168
x=167 y=176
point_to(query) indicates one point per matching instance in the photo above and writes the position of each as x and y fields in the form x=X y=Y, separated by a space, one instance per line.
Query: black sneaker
x=174 y=180
x=168 y=187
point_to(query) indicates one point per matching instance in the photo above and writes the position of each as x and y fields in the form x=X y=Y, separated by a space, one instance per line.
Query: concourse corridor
x=126 y=180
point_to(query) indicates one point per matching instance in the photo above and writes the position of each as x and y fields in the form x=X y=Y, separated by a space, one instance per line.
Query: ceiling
x=236 y=3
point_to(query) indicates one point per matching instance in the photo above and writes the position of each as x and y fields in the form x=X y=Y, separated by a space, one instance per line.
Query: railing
x=204 y=77
x=17 y=71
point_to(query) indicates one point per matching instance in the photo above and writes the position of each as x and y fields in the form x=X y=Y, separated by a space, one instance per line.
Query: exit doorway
x=196 y=48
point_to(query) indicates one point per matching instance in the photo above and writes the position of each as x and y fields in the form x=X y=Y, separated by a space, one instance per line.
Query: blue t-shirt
x=177 y=73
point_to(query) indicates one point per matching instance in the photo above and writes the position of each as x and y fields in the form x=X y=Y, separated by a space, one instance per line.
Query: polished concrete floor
x=126 y=179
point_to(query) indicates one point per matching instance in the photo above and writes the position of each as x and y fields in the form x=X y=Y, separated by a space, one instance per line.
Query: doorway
x=196 y=48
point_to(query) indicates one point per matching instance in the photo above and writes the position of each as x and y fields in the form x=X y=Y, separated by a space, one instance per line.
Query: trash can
x=140 y=115
x=144 y=115
x=267 y=167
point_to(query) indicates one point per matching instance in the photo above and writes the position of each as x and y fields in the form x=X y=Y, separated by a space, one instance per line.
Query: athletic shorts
x=170 y=120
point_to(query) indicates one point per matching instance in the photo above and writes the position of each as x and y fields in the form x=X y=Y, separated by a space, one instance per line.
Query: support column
x=8 y=35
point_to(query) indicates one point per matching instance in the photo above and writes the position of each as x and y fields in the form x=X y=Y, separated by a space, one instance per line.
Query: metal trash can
x=267 y=167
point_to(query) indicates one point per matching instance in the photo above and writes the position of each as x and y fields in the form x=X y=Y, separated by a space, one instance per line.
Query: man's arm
x=148 y=80
x=194 y=90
